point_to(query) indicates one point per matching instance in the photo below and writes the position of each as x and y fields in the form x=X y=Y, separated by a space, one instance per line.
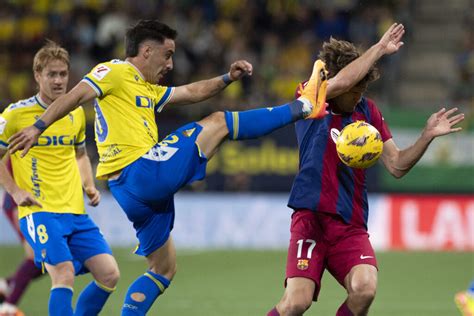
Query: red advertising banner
x=431 y=222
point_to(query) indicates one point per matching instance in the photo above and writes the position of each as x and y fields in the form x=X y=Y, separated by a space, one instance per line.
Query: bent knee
x=110 y=278
x=65 y=278
x=364 y=291
x=171 y=272
x=217 y=117
x=215 y=121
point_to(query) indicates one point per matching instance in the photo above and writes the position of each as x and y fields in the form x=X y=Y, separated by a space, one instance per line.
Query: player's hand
x=391 y=40
x=24 y=198
x=94 y=195
x=240 y=69
x=442 y=122
x=24 y=139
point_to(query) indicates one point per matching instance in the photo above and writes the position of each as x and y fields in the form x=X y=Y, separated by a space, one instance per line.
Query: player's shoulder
x=366 y=105
x=114 y=63
x=370 y=103
x=102 y=69
x=22 y=105
x=15 y=111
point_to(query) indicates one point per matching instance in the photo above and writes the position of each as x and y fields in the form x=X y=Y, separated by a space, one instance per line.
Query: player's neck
x=334 y=109
x=139 y=67
x=337 y=109
x=43 y=99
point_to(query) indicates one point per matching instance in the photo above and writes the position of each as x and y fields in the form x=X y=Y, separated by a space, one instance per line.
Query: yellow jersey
x=125 y=127
x=49 y=171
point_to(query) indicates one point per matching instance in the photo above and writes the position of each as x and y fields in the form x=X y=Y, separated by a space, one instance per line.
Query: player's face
x=161 y=59
x=346 y=102
x=52 y=80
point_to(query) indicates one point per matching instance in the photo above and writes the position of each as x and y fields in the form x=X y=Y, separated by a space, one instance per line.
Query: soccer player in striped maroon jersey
x=329 y=222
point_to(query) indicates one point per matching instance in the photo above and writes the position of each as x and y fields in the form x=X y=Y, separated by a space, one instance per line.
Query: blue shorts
x=57 y=238
x=145 y=189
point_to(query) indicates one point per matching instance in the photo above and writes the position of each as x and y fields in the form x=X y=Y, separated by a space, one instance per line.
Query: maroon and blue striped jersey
x=324 y=183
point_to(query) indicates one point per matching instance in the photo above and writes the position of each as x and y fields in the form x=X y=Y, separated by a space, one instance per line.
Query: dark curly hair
x=338 y=53
x=146 y=30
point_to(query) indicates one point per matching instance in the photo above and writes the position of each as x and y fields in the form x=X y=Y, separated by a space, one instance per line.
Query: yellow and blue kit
x=127 y=140
x=60 y=230
x=125 y=106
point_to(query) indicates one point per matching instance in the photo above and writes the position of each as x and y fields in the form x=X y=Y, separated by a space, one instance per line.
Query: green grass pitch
x=246 y=283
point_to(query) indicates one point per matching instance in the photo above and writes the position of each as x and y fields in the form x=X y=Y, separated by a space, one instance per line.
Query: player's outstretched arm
x=353 y=73
x=204 y=89
x=85 y=170
x=399 y=162
x=21 y=197
x=27 y=137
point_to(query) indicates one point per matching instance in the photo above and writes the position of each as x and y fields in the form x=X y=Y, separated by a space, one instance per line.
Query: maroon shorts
x=322 y=241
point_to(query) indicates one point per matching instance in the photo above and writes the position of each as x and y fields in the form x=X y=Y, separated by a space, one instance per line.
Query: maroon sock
x=26 y=272
x=273 y=312
x=344 y=310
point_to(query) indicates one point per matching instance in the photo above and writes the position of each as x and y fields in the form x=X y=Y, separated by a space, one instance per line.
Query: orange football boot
x=315 y=90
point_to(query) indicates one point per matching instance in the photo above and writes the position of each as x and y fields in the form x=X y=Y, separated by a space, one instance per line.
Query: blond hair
x=50 y=51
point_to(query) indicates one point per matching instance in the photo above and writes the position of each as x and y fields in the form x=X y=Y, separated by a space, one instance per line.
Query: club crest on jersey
x=100 y=72
x=302 y=264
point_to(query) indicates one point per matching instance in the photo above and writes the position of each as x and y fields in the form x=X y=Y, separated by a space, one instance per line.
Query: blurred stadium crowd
x=280 y=37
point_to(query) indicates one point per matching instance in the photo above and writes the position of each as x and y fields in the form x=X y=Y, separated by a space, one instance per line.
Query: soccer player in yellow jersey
x=144 y=174
x=47 y=186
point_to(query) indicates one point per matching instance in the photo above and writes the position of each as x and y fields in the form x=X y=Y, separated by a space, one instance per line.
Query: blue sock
x=259 y=122
x=60 y=302
x=470 y=290
x=92 y=299
x=143 y=292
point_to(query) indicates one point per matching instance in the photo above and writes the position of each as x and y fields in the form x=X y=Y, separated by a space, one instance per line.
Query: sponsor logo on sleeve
x=100 y=72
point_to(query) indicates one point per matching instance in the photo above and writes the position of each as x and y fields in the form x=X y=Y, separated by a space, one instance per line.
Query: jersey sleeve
x=378 y=121
x=164 y=95
x=7 y=127
x=80 y=139
x=103 y=78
